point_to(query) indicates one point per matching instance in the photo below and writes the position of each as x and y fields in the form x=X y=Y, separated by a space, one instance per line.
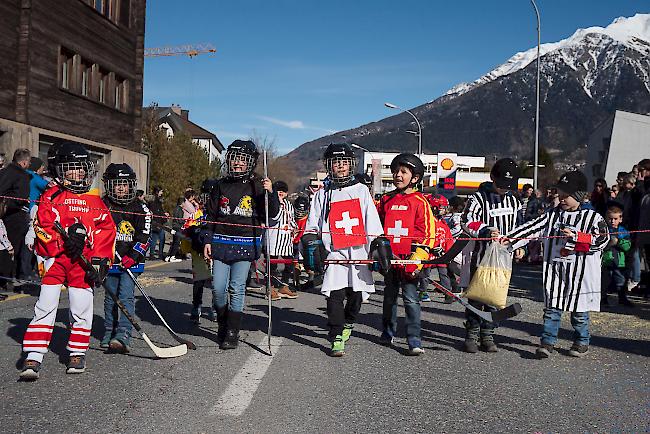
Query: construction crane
x=187 y=50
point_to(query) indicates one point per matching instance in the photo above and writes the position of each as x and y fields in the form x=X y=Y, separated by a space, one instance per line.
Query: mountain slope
x=584 y=78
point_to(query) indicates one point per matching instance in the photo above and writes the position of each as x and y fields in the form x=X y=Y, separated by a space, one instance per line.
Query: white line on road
x=238 y=395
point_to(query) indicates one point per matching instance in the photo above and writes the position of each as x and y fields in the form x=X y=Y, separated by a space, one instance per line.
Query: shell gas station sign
x=446 y=173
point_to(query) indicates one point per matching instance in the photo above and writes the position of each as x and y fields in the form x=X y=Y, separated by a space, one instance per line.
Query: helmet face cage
x=110 y=185
x=336 y=161
x=76 y=176
x=238 y=156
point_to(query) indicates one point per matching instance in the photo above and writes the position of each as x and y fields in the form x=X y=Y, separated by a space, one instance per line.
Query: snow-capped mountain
x=582 y=51
x=584 y=78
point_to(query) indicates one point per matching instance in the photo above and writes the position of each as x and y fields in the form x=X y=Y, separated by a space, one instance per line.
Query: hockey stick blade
x=167 y=352
x=507 y=312
x=499 y=315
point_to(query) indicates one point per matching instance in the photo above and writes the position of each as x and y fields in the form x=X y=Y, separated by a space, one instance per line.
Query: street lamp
x=419 y=134
x=537 y=100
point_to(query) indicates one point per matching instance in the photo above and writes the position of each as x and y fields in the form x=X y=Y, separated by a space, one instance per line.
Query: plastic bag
x=490 y=283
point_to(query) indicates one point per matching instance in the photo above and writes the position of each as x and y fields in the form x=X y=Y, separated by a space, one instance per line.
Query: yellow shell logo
x=447 y=163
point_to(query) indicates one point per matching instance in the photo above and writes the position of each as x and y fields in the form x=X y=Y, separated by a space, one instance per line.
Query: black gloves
x=76 y=241
x=96 y=274
x=437 y=251
x=314 y=253
x=381 y=252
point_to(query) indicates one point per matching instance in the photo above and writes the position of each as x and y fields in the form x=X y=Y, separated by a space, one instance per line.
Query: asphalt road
x=301 y=389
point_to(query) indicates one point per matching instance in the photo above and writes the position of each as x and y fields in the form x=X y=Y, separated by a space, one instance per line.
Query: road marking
x=148 y=267
x=14 y=297
x=238 y=395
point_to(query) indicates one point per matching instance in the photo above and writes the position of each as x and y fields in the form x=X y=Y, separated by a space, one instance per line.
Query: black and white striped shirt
x=571 y=278
x=281 y=231
x=487 y=209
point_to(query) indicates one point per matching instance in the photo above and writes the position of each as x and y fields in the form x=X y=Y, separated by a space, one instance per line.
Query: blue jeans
x=634 y=264
x=115 y=323
x=157 y=237
x=579 y=321
x=394 y=281
x=229 y=279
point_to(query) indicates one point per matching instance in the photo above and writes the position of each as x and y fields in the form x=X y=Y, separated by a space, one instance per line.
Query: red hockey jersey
x=443 y=238
x=300 y=223
x=407 y=219
x=57 y=204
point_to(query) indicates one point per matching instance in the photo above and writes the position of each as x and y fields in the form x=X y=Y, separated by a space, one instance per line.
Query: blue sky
x=296 y=70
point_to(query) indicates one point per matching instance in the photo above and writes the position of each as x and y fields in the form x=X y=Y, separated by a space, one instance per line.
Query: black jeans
x=176 y=243
x=17 y=225
x=453 y=270
x=339 y=315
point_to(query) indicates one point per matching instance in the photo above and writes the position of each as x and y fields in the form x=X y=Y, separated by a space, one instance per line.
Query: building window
x=118 y=11
x=86 y=79
x=65 y=68
x=121 y=93
x=103 y=82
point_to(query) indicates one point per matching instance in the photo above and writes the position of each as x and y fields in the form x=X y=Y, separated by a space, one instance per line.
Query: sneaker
x=174 y=259
x=105 y=340
x=255 y=287
x=307 y=286
x=285 y=292
x=415 y=351
x=167 y=258
x=30 y=370
x=212 y=315
x=274 y=295
x=544 y=351
x=338 y=347
x=347 y=332
x=118 y=347
x=631 y=284
x=386 y=339
x=76 y=365
x=578 y=350
x=424 y=297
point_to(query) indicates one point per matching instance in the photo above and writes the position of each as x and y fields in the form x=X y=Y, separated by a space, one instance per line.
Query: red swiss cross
x=346 y=224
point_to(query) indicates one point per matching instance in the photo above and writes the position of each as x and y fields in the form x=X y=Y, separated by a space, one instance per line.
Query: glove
x=173 y=232
x=128 y=262
x=380 y=252
x=422 y=253
x=96 y=274
x=437 y=251
x=314 y=253
x=76 y=241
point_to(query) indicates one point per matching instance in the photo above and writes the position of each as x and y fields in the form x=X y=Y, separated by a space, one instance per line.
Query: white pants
x=39 y=332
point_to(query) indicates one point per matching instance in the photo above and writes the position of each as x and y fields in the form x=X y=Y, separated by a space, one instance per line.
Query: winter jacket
x=14 y=182
x=614 y=253
x=156 y=208
x=177 y=220
x=237 y=202
x=133 y=226
x=5 y=244
x=37 y=186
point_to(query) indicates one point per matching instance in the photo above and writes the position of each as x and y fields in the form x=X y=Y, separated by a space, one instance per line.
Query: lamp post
x=417 y=121
x=535 y=177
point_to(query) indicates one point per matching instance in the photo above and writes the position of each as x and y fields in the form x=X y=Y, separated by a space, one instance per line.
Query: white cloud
x=294 y=125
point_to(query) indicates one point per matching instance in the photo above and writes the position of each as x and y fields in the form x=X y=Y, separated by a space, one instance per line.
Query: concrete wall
x=616 y=145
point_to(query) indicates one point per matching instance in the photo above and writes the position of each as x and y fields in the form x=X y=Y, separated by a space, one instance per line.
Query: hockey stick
x=268 y=253
x=499 y=315
x=162 y=353
x=187 y=342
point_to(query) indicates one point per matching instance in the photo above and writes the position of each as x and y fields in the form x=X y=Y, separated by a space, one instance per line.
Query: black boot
x=471 y=338
x=222 y=323
x=622 y=297
x=232 y=334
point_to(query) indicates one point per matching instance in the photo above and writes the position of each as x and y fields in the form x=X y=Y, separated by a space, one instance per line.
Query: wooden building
x=72 y=70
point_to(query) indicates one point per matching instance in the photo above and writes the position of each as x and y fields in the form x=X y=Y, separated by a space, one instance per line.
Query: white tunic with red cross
x=347 y=221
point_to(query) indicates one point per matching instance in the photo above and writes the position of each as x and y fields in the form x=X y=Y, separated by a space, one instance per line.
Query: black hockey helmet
x=206 y=189
x=340 y=153
x=116 y=176
x=241 y=151
x=411 y=161
x=301 y=206
x=69 y=163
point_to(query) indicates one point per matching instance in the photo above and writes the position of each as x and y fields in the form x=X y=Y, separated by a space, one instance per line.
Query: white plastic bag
x=490 y=283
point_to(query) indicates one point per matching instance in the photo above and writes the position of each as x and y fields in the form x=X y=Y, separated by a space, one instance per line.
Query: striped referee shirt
x=484 y=210
x=281 y=230
x=571 y=267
